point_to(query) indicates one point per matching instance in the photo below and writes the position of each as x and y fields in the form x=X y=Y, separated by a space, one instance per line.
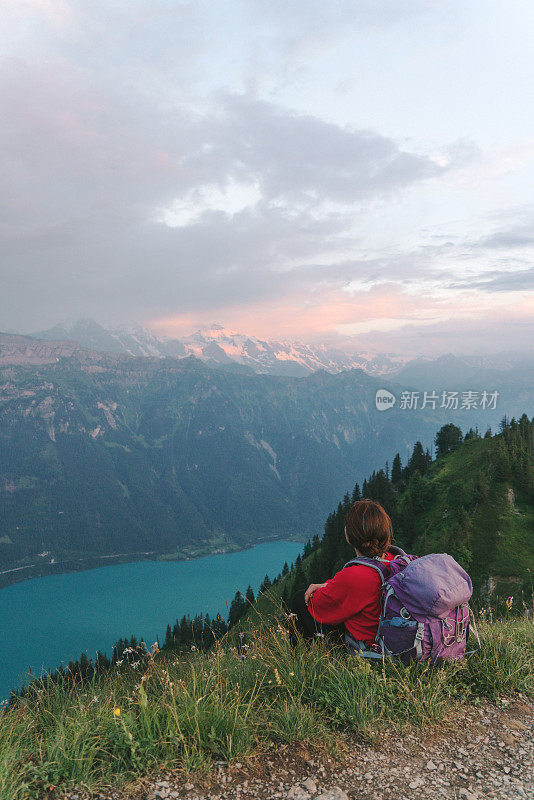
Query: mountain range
x=104 y=455
x=109 y=453
x=221 y=347
x=509 y=374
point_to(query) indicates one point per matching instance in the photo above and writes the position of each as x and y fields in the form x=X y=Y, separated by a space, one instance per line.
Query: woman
x=347 y=607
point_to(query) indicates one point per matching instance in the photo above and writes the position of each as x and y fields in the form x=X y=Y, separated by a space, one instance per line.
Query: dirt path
x=484 y=753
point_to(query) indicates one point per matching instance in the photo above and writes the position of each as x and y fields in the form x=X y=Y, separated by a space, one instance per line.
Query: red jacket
x=352 y=596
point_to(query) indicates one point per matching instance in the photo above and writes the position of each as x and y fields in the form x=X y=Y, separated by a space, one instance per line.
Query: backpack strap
x=379 y=566
x=473 y=623
x=396 y=551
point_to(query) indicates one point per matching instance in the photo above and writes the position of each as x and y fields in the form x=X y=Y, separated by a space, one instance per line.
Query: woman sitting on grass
x=347 y=607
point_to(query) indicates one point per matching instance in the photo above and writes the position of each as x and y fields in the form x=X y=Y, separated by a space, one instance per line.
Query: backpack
x=424 y=612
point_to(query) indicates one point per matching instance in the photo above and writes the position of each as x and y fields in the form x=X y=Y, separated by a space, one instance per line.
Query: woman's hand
x=311 y=589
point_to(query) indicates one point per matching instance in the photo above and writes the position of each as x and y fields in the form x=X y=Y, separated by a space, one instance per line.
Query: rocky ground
x=485 y=752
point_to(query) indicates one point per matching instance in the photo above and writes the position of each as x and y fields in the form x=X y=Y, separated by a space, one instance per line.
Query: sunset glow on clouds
x=324 y=179
x=382 y=320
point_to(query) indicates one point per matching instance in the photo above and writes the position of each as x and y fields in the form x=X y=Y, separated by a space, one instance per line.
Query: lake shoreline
x=53 y=620
x=24 y=572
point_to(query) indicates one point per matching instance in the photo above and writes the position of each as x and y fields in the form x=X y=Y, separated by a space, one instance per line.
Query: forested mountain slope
x=477 y=502
x=104 y=455
x=474 y=501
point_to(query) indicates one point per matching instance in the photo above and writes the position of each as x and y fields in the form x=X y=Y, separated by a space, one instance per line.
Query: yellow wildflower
x=117 y=711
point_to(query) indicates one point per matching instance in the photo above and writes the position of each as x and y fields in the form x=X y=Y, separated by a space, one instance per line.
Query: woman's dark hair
x=368 y=528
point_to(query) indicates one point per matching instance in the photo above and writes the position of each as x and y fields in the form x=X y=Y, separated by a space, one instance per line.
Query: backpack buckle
x=448 y=636
x=418 y=641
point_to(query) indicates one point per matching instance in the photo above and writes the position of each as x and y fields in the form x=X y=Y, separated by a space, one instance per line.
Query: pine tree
x=396 y=470
x=503 y=466
x=379 y=488
x=102 y=662
x=168 y=635
x=472 y=433
x=418 y=460
x=237 y=609
x=299 y=578
x=219 y=626
x=316 y=571
x=84 y=667
x=448 y=438
x=525 y=428
x=185 y=630
x=356 y=494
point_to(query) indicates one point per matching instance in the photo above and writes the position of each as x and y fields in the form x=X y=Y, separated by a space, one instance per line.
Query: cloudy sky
x=352 y=171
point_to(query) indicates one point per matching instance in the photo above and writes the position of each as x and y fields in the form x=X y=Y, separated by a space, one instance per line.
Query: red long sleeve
x=352 y=596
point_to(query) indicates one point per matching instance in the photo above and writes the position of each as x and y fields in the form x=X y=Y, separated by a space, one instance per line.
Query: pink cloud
x=295 y=316
x=388 y=318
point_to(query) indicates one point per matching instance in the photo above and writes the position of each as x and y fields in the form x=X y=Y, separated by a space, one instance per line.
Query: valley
x=107 y=456
x=101 y=454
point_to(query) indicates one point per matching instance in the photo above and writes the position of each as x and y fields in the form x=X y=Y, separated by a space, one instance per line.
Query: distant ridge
x=220 y=346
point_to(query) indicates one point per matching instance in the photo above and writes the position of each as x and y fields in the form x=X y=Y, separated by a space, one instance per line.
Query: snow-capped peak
x=217 y=344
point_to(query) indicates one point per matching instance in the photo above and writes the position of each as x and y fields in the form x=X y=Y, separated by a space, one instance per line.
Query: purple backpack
x=425 y=608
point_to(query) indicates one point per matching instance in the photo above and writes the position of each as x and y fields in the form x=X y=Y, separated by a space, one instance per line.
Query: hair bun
x=368 y=528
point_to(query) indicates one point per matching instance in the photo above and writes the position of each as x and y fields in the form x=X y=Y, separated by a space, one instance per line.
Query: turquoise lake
x=46 y=621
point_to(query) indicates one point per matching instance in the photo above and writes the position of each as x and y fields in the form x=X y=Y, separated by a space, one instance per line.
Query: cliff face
x=25 y=351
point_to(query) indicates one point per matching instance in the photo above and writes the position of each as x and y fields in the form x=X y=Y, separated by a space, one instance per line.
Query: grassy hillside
x=474 y=501
x=477 y=502
x=164 y=713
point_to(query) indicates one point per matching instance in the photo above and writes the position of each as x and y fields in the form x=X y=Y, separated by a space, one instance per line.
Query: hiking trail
x=483 y=752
